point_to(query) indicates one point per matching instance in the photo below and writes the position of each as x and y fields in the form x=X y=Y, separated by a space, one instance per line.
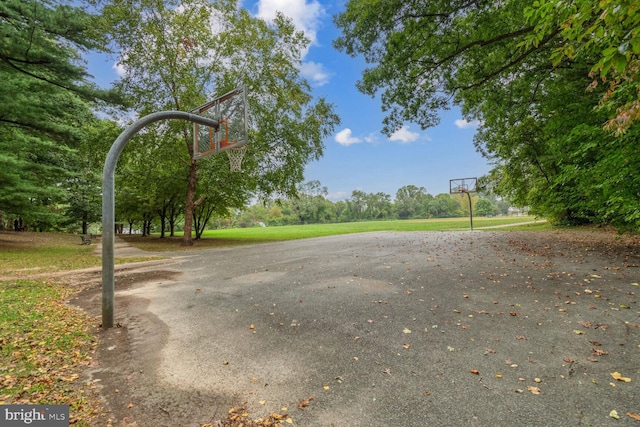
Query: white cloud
x=372 y=138
x=315 y=73
x=119 y=69
x=306 y=16
x=464 y=124
x=344 y=138
x=404 y=135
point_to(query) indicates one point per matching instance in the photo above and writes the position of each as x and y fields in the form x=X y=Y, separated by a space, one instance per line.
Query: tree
x=410 y=201
x=443 y=206
x=176 y=55
x=484 y=207
x=379 y=206
x=44 y=106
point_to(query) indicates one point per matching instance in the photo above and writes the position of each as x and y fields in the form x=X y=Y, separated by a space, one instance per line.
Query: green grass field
x=254 y=235
x=291 y=232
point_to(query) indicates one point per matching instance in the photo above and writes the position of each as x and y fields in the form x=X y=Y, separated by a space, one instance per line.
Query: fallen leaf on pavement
x=475 y=372
x=305 y=403
x=406 y=330
x=614 y=414
x=618 y=376
x=633 y=415
x=534 y=390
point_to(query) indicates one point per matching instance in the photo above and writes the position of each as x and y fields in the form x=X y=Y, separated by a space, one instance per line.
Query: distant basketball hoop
x=461 y=186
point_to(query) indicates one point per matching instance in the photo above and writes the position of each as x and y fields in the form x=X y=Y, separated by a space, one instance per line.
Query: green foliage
x=411 y=201
x=609 y=32
x=174 y=59
x=43 y=107
x=521 y=70
x=484 y=207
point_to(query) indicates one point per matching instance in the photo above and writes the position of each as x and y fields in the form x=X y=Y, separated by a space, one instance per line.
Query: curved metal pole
x=108 y=200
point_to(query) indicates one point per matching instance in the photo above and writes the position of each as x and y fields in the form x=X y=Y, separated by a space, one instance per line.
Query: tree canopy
x=522 y=71
x=44 y=103
x=177 y=55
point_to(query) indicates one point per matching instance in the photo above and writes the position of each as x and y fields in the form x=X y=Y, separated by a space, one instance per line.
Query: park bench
x=85 y=240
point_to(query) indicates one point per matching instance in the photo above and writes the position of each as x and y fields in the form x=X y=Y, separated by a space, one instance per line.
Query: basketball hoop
x=235 y=158
x=465 y=186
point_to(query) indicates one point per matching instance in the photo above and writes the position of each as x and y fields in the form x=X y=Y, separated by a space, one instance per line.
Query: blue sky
x=358 y=156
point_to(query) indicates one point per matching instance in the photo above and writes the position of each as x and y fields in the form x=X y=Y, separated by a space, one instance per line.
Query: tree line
x=312 y=207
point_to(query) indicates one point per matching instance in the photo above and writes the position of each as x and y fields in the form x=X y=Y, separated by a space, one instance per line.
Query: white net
x=235 y=158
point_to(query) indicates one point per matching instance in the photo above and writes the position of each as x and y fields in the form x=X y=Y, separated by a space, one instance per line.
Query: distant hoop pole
x=108 y=200
x=464 y=185
x=470 y=210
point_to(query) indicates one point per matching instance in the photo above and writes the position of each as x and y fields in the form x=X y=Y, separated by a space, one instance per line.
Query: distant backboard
x=230 y=110
x=463 y=185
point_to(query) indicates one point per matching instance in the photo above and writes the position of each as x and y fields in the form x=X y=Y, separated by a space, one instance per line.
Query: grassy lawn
x=245 y=236
x=291 y=232
x=27 y=254
x=44 y=345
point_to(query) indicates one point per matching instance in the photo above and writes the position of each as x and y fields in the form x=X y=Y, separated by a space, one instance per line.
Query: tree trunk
x=189 y=203
x=162 y=212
